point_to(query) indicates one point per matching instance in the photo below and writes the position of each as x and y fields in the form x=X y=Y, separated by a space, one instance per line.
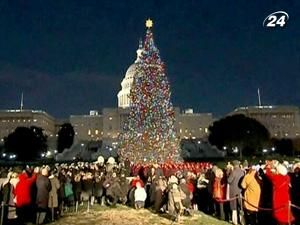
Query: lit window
x=180 y=131
x=96 y=132
x=200 y=128
x=206 y=130
x=89 y=132
x=34 y=120
x=110 y=118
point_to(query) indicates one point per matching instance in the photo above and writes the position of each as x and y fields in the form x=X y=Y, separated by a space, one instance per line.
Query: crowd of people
x=264 y=193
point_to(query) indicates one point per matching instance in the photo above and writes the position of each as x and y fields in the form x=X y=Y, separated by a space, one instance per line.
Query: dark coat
x=87 y=186
x=43 y=188
x=235 y=189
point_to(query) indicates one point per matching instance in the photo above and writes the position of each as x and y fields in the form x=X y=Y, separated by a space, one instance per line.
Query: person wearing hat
x=233 y=180
x=281 y=193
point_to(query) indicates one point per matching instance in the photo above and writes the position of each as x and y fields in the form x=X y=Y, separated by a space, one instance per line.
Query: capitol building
x=108 y=123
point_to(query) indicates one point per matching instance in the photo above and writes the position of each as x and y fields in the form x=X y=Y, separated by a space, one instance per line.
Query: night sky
x=69 y=57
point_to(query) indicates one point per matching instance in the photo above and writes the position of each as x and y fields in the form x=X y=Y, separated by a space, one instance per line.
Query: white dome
x=123 y=95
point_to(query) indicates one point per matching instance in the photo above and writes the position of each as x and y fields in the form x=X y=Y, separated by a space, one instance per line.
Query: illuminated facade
x=110 y=123
x=281 y=121
x=11 y=119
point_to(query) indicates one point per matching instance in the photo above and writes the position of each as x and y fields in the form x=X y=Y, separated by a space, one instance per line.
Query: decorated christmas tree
x=149 y=135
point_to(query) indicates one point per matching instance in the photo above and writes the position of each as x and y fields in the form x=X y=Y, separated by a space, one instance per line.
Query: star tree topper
x=149 y=23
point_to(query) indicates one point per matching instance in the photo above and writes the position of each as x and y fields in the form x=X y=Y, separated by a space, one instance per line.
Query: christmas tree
x=149 y=135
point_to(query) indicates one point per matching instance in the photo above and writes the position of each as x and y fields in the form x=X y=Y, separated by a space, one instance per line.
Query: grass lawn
x=122 y=215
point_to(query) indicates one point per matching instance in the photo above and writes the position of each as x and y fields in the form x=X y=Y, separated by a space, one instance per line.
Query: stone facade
x=281 y=121
x=11 y=119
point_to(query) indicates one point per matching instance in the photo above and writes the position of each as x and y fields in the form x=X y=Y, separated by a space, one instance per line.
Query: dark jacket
x=43 y=188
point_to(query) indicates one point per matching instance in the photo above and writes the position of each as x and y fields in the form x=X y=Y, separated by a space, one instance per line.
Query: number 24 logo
x=278 y=18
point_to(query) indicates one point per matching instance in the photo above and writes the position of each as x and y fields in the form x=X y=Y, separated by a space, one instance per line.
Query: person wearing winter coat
x=175 y=196
x=53 y=194
x=159 y=195
x=7 y=194
x=42 y=198
x=295 y=193
x=77 y=187
x=140 y=196
x=219 y=192
x=234 y=179
x=113 y=189
x=281 y=193
x=98 y=187
x=124 y=188
x=87 y=187
x=23 y=197
x=251 y=185
x=186 y=202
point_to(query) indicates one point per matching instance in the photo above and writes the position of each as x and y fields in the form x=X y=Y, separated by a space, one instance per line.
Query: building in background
x=88 y=127
x=281 y=121
x=11 y=119
x=110 y=123
x=193 y=125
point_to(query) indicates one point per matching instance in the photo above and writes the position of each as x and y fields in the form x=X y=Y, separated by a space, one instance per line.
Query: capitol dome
x=123 y=95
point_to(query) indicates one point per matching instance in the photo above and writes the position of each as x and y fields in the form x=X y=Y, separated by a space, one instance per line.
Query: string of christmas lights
x=149 y=134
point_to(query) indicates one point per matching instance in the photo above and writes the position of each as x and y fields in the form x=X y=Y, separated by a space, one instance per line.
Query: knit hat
x=281 y=169
x=173 y=179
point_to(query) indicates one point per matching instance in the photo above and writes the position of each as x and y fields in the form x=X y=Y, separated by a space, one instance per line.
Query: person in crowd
x=87 y=188
x=159 y=195
x=281 y=192
x=113 y=189
x=234 y=179
x=210 y=177
x=124 y=185
x=251 y=185
x=53 y=194
x=24 y=201
x=7 y=194
x=175 y=196
x=98 y=187
x=295 y=193
x=77 y=188
x=202 y=195
x=140 y=196
x=42 y=198
x=68 y=191
x=219 y=192
x=186 y=202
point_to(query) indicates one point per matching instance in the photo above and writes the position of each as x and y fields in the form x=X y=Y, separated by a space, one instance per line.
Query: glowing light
x=149 y=134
